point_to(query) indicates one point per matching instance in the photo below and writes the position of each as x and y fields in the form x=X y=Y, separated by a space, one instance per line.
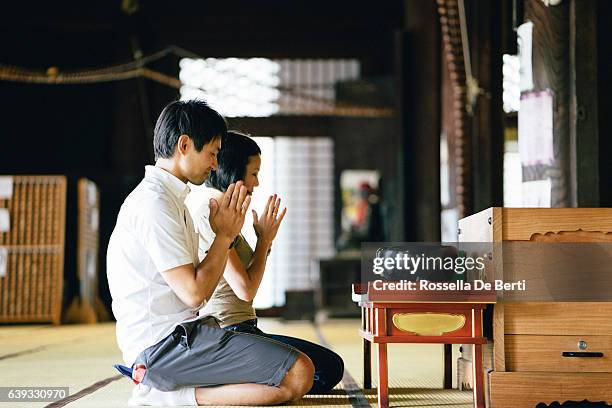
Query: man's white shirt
x=201 y=214
x=154 y=233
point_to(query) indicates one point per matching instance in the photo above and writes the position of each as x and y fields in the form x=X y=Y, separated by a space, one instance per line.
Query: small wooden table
x=441 y=317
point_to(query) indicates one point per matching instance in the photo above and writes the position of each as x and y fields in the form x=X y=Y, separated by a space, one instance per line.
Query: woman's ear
x=183 y=144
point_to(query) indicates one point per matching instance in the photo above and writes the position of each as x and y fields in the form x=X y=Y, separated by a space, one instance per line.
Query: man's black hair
x=192 y=118
x=232 y=160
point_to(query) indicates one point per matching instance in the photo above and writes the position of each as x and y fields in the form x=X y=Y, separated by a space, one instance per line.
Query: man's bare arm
x=194 y=285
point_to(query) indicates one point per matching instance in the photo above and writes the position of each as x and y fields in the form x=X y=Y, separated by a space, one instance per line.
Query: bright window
x=238 y=87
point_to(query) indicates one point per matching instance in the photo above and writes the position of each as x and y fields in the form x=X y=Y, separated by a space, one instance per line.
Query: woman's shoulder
x=201 y=213
x=197 y=202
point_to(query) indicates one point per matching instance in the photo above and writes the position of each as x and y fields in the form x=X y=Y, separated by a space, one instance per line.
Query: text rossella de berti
x=459 y=265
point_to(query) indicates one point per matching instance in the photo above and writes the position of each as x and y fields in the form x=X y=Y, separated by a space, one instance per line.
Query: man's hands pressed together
x=226 y=218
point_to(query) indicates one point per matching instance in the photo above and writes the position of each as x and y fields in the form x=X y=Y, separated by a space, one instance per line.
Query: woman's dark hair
x=192 y=118
x=236 y=149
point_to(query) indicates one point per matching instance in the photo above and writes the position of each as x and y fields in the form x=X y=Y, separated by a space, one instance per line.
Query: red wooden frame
x=377 y=327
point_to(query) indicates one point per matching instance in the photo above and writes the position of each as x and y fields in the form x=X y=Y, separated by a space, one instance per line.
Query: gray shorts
x=200 y=354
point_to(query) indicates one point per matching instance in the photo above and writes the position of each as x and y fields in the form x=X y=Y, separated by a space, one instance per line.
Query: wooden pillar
x=418 y=78
x=583 y=105
x=551 y=70
x=485 y=26
x=604 y=102
x=565 y=61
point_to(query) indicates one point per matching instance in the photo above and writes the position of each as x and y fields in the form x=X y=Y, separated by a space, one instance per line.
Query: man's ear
x=184 y=141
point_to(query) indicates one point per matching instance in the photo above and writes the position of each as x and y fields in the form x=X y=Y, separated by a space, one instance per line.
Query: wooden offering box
x=547 y=351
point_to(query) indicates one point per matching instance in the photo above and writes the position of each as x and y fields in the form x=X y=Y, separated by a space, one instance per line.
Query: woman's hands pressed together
x=266 y=225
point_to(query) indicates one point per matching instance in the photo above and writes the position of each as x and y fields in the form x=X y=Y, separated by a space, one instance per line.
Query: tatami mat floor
x=81 y=356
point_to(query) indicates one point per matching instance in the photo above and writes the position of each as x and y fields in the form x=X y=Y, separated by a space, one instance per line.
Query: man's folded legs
x=227 y=367
x=292 y=387
x=295 y=385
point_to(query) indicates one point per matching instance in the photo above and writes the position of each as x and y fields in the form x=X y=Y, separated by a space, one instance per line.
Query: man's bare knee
x=300 y=376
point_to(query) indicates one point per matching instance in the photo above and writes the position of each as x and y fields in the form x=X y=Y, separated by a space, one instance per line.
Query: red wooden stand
x=377 y=326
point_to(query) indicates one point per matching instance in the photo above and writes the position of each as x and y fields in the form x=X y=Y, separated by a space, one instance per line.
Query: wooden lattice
x=89 y=308
x=31 y=288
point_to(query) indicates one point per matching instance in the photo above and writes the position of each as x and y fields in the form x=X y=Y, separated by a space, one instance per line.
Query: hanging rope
x=53 y=77
x=137 y=69
x=105 y=74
